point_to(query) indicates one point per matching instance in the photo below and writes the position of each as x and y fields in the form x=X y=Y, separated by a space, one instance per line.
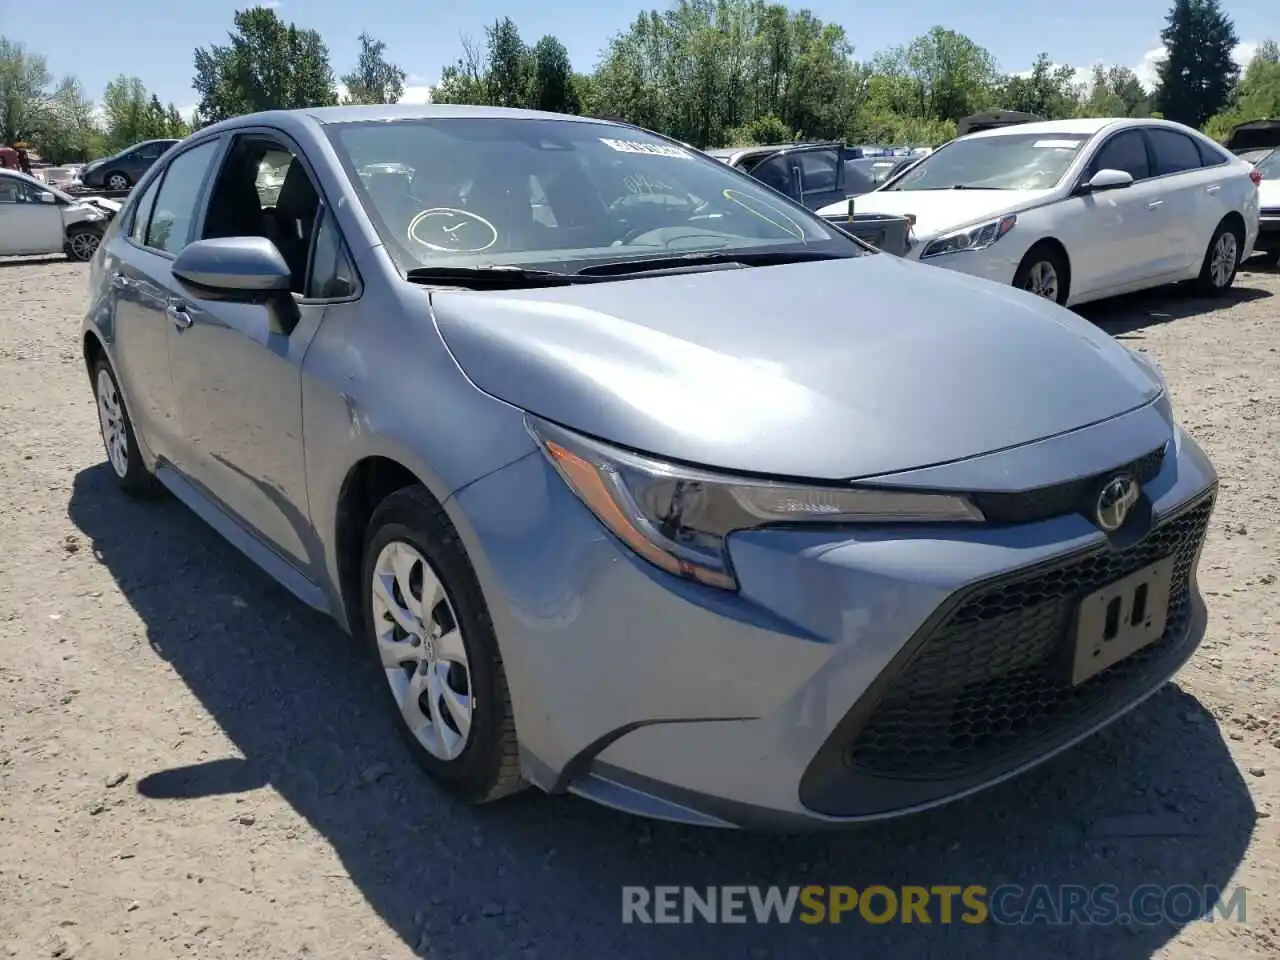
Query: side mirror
x=1107 y=180
x=244 y=269
x=241 y=270
x=44 y=196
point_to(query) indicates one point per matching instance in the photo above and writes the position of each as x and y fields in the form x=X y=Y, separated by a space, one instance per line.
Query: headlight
x=970 y=238
x=678 y=517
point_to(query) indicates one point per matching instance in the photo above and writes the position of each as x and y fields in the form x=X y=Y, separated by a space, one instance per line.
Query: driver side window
x=1125 y=151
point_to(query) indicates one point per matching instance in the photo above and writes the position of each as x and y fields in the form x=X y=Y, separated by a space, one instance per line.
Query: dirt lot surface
x=192 y=764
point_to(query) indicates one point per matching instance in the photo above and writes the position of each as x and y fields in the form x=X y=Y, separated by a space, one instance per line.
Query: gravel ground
x=191 y=763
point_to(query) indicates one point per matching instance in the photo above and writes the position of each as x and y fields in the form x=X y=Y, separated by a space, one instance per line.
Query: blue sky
x=154 y=39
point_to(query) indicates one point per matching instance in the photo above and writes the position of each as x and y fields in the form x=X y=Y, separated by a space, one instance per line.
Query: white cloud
x=188 y=111
x=1146 y=69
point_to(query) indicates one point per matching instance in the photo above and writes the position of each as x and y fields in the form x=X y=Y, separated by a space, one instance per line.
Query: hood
x=827 y=370
x=1269 y=194
x=938 y=211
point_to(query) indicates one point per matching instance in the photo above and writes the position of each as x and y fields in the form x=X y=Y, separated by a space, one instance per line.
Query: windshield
x=560 y=195
x=1005 y=161
x=1269 y=166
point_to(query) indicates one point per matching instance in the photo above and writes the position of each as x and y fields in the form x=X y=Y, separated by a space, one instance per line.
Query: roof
x=432 y=111
x=1081 y=126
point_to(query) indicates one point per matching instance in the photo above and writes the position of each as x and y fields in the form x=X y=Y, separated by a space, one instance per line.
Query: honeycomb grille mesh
x=986 y=682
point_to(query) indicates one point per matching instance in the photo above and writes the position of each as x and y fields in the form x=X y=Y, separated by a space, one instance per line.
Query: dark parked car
x=124 y=169
x=1254 y=135
x=992 y=119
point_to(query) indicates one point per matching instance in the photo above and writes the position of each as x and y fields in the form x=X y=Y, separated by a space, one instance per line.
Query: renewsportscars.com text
x=1058 y=904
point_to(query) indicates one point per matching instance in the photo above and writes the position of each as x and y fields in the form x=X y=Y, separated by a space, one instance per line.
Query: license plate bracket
x=1120 y=619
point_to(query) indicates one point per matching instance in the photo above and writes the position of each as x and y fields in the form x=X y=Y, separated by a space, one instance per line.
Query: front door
x=237 y=370
x=27 y=226
x=1116 y=236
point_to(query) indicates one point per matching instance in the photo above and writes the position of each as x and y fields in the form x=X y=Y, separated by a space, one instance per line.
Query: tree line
x=707 y=72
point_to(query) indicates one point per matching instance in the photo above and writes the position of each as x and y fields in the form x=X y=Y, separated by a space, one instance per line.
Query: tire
x=1044 y=272
x=409 y=533
x=118 y=438
x=117 y=180
x=82 y=243
x=1221 y=261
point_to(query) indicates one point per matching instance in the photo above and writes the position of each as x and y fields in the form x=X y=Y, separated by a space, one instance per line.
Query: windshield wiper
x=684 y=261
x=490 y=277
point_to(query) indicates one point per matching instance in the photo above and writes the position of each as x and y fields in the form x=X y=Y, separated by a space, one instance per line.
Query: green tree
x=953 y=76
x=1259 y=93
x=463 y=81
x=509 y=65
x=268 y=65
x=1197 y=76
x=1102 y=99
x=1047 y=91
x=24 y=92
x=552 y=82
x=375 y=79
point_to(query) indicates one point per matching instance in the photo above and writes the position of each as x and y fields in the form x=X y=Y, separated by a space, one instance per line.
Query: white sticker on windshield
x=647 y=149
x=1057 y=144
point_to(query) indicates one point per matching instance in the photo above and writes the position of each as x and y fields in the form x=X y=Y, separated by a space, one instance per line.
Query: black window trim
x=161 y=171
x=324 y=215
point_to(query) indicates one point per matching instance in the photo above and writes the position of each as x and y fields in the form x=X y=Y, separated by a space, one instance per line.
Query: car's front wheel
x=117 y=434
x=430 y=634
x=1221 y=260
x=1043 y=271
x=82 y=243
x=117 y=181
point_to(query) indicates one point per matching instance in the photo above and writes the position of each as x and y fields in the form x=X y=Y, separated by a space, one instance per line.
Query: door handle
x=1155 y=204
x=178 y=315
x=1213 y=189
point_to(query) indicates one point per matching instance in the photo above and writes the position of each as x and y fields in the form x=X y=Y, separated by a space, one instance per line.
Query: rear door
x=139 y=261
x=1191 y=194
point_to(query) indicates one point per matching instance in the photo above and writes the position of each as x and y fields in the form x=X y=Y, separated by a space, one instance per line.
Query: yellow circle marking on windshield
x=746 y=202
x=453 y=225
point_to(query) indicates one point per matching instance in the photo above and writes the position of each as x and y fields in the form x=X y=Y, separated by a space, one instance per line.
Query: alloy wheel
x=422 y=651
x=1222 y=263
x=111 y=418
x=1042 y=280
x=117 y=181
x=84 y=245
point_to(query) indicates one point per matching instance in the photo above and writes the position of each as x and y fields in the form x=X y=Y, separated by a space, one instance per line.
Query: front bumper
x=828 y=690
x=989 y=263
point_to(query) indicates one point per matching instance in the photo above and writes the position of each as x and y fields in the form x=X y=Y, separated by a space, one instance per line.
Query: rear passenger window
x=175 y=208
x=1125 y=151
x=1175 y=152
x=1211 y=156
x=142 y=212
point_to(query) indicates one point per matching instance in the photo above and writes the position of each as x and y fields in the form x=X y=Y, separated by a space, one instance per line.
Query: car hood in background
x=829 y=370
x=937 y=211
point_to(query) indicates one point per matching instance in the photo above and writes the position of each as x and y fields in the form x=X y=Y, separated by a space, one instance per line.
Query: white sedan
x=36 y=218
x=1077 y=210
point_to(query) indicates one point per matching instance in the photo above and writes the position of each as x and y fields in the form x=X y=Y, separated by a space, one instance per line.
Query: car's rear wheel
x=117 y=181
x=82 y=243
x=432 y=640
x=1221 y=260
x=118 y=437
x=1043 y=271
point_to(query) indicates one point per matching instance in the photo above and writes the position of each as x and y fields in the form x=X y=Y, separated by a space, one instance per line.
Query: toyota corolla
x=610 y=458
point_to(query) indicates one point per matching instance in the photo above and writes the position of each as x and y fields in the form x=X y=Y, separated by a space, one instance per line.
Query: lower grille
x=983 y=685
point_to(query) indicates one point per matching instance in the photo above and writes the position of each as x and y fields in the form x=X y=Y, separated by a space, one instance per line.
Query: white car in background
x=1077 y=210
x=38 y=219
x=1267 y=163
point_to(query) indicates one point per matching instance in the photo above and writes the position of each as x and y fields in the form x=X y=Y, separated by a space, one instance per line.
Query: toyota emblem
x=1115 y=500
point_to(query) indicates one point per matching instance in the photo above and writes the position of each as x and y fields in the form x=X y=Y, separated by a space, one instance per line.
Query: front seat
x=294 y=221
